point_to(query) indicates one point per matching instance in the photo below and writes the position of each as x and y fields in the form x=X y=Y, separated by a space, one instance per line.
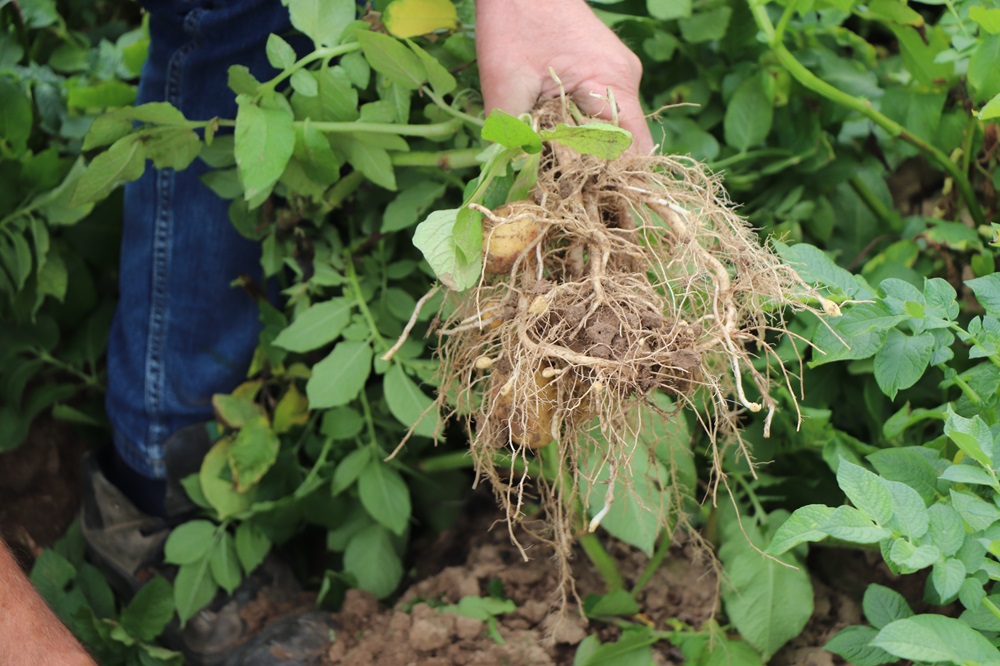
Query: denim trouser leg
x=181 y=333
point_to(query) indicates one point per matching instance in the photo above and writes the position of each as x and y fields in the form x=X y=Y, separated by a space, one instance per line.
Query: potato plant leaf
x=322 y=20
x=410 y=18
x=510 y=132
x=337 y=379
x=371 y=558
x=264 y=142
x=409 y=404
x=601 y=140
x=936 y=638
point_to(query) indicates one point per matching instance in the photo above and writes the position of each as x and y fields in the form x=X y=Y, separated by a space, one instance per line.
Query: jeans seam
x=159 y=307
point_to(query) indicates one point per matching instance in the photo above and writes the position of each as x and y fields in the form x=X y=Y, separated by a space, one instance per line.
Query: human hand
x=518 y=41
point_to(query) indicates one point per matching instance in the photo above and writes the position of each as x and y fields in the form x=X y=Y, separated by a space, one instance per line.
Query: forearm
x=30 y=633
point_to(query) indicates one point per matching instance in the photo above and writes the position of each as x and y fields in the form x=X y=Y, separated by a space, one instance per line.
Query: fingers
x=515 y=93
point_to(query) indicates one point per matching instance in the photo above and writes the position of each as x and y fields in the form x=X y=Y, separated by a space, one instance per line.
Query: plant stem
x=662 y=548
x=342 y=189
x=450 y=110
x=875 y=205
x=352 y=277
x=90 y=381
x=432 y=130
x=462 y=460
x=445 y=159
x=809 y=80
x=318 y=54
x=602 y=561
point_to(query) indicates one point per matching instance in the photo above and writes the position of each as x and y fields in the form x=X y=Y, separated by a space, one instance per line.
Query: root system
x=626 y=279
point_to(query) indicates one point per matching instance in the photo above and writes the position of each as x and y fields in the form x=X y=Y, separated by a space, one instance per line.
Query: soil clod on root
x=613 y=282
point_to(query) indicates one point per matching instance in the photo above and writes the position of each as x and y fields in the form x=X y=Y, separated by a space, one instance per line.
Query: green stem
x=432 y=130
x=342 y=189
x=370 y=422
x=758 y=508
x=875 y=205
x=602 y=561
x=352 y=277
x=749 y=155
x=969 y=392
x=461 y=460
x=445 y=159
x=450 y=110
x=90 y=381
x=809 y=80
x=318 y=54
x=662 y=548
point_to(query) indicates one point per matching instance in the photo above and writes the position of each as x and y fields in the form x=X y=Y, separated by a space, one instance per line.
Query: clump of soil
x=616 y=281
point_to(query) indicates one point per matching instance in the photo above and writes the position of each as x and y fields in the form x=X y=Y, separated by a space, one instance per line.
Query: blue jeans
x=181 y=332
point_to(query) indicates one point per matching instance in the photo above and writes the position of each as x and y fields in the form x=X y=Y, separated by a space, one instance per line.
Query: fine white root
x=410 y=324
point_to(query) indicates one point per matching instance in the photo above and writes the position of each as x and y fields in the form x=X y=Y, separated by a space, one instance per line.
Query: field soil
x=40 y=496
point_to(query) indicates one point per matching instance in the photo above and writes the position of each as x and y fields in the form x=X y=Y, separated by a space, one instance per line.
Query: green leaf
x=410 y=205
x=634 y=648
x=280 y=53
x=945 y=529
x=50 y=575
x=190 y=542
x=15 y=115
x=601 y=140
x=936 y=638
x=441 y=80
x=194 y=589
x=324 y=21
x=749 y=114
x=252 y=546
x=991 y=109
x=304 y=83
x=410 y=18
x=342 y=423
x=242 y=82
x=817 y=268
x=235 y=411
x=854 y=645
x=768 y=601
x=338 y=378
x=264 y=142
x=848 y=524
x=909 y=513
x=615 y=602
x=919 y=49
x=385 y=496
x=983 y=74
x=480 y=608
x=349 y=469
x=224 y=563
x=639 y=501
x=866 y=491
x=216 y=482
x=434 y=238
x=316 y=326
x=977 y=513
x=147 y=615
x=902 y=360
x=372 y=560
x=253 y=452
x=374 y=162
x=393 y=60
x=987 y=18
x=801 y=527
x=668 y=10
x=510 y=132
x=970 y=474
x=971 y=436
x=123 y=162
x=172 y=149
x=883 y=605
x=912 y=558
x=947 y=578
x=907 y=465
x=987 y=291
x=706 y=26
x=409 y=404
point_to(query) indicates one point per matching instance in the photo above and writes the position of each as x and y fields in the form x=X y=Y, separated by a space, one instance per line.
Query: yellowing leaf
x=410 y=18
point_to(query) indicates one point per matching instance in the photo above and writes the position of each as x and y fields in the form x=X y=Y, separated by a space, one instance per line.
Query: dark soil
x=39 y=498
x=40 y=488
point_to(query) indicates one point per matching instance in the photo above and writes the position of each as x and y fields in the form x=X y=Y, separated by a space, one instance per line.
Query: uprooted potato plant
x=612 y=281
